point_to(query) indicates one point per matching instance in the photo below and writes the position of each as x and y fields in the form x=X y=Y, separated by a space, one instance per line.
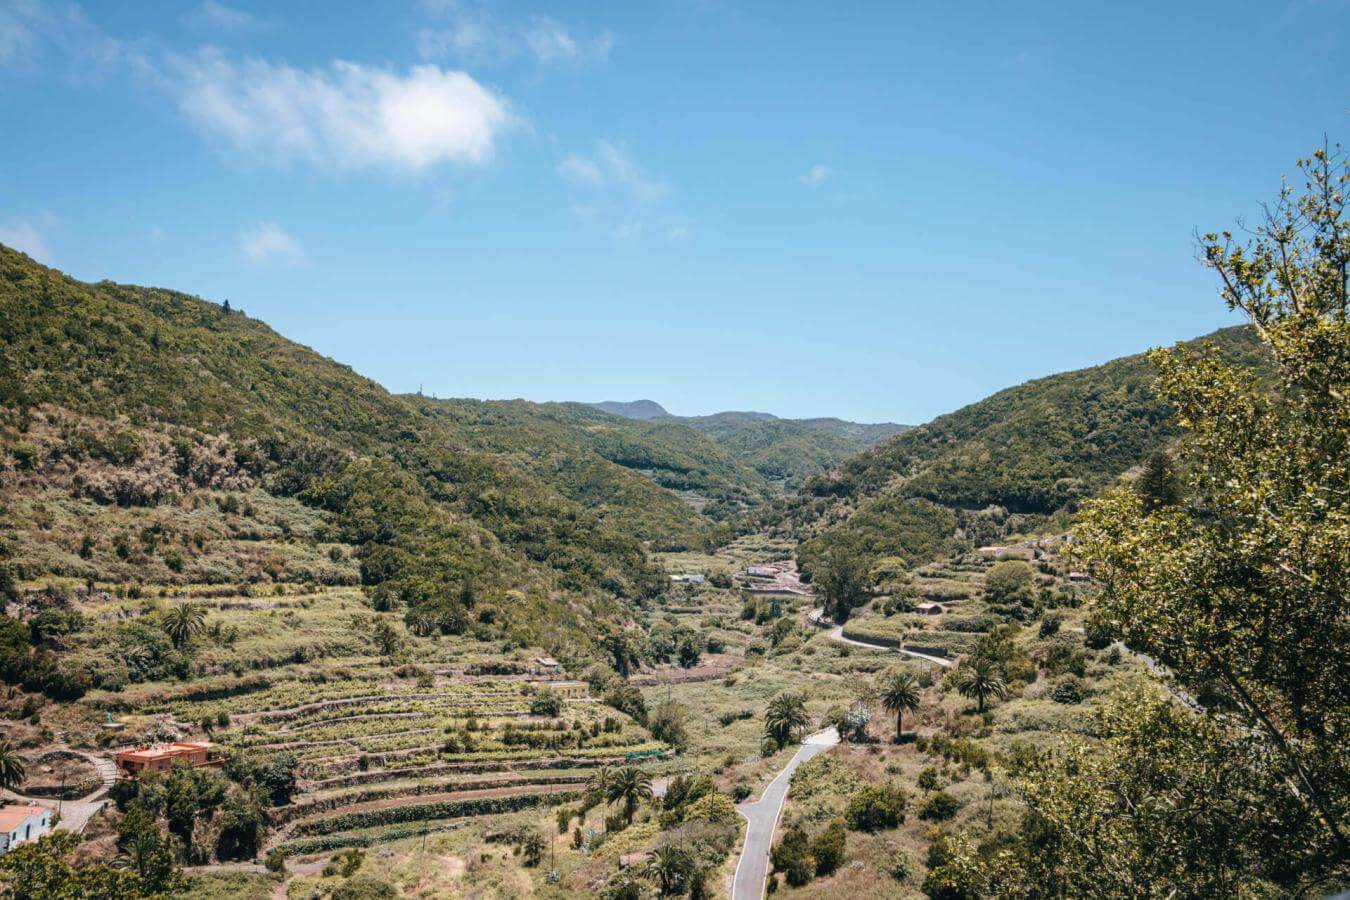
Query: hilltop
x=1017 y=460
x=139 y=400
x=783 y=451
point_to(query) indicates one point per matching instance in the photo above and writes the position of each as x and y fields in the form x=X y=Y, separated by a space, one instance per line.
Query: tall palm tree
x=12 y=766
x=785 y=718
x=629 y=786
x=185 y=622
x=981 y=679
x=900 y=693
x=669 y=867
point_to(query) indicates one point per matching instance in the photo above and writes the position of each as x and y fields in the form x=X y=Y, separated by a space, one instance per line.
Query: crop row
x=446 y=809
x=317 y=805
x=368 y=838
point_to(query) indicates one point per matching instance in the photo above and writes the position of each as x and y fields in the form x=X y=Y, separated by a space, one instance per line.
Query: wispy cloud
x=470 y=32
x=815 y=175
x=26 y=237
x=268 y=242
x=343 y=116
x=214 y=17
x=610 y=166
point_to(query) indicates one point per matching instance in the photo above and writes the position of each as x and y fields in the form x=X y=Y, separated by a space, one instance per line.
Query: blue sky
x=880 y=211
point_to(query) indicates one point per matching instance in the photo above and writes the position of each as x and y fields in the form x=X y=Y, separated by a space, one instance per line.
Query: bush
x=902 y=866
x=876 y=807
x=793 y=857
x=828 y=848
x=928 y=779
x=276 y=860
x=1069 y=690
x=940 y=807
x=1050 y=624
x=546 y=703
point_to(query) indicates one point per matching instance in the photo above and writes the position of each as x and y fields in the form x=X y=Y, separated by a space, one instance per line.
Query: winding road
x=817 y=618
x=753 y=869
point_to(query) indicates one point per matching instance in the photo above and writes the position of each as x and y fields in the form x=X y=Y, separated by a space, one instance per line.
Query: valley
x=272 y=631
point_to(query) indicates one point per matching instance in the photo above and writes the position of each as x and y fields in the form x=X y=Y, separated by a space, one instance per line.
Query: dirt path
x=75 y=814
x=817 y=618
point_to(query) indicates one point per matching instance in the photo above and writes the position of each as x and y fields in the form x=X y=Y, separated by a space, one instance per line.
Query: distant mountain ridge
x=784 y=451
x=631 y=409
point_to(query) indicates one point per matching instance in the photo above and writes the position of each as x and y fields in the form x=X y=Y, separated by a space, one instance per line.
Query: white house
x=20 y=824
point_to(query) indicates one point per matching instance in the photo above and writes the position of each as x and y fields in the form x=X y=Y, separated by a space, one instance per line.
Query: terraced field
x=957 y=586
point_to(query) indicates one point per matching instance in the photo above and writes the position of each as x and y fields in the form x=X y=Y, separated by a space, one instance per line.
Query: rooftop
x=159 y=751
x=13 y=814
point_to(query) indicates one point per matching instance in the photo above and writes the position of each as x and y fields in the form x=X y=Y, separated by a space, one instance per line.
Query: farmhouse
x=20 y=824
x=687 y=579
x=929 y=609
x=762 y=571
x=569 y=690
x=159 y=757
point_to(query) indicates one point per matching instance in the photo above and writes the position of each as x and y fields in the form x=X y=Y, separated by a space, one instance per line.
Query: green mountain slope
x=1005 y=463
x=783 y=451
x=659 y=480
x=437 y=525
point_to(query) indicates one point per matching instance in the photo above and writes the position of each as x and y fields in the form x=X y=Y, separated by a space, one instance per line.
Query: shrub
x=793 y=857
x=902 y=866
x=928 y=779
x=940 y=807
x=828 y=848
x=546 y=703
x=276 y=860
x=1069 y=690
x=876 y=807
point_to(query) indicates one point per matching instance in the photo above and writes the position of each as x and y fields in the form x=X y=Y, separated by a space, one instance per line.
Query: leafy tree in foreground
x=900 y=693
x=1241 y=592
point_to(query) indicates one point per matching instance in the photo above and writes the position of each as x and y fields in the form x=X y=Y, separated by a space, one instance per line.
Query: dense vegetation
x=1237 y=583
x=436 y=524
x=659 y=480
x=1002 y=465
x=784 y=451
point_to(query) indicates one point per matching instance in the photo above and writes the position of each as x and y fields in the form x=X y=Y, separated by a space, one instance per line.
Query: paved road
x=753 y=869
x=817 y=618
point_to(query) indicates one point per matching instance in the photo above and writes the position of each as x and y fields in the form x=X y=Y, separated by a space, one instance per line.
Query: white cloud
x=26 y=238
x=580 y=169
x=473 y=33
x=217 y=17
x=677 y=233
x=344 y=116
x=610 y=166
x=816 y=175
x=267 y=242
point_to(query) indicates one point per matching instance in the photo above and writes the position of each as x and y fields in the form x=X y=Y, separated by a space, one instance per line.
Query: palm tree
x=597 y=788
x=670 y=868
x=630 y=785
x=785 y=718
x=900 y=693
x=981 y=680
x=185 y=622
x=12 y=766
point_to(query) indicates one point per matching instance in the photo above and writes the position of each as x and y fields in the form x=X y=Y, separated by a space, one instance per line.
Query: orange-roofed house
x=159 y=757
x=21 y=823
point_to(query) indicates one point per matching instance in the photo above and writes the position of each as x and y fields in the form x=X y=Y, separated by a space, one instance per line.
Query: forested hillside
x=783 y=451
x=1025 y=454
x=143 y=396
x=658 y=479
